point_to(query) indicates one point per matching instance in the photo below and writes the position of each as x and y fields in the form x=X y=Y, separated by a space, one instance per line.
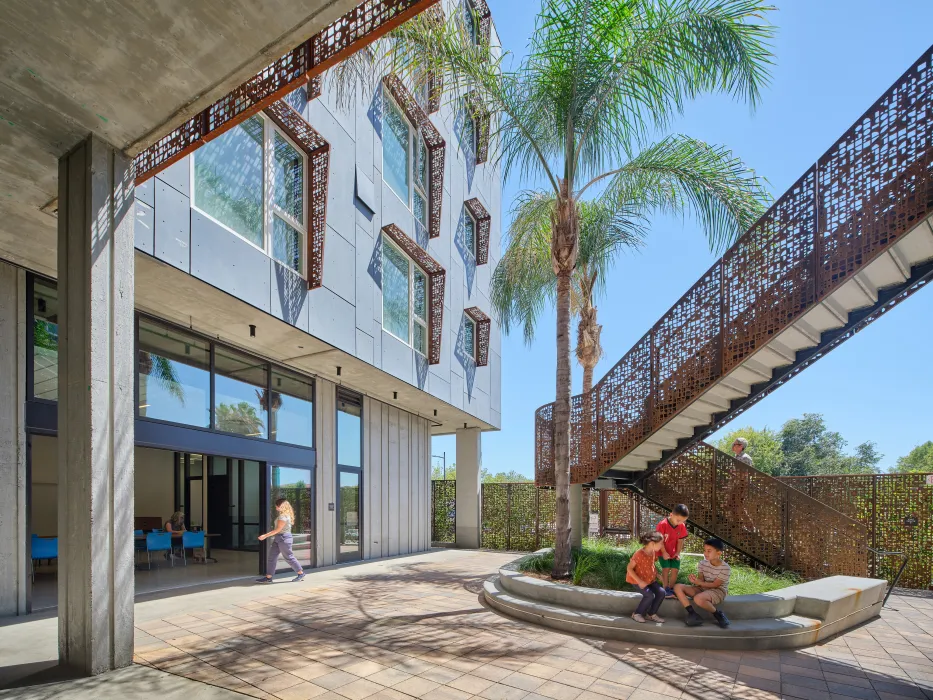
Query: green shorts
x=669 y=563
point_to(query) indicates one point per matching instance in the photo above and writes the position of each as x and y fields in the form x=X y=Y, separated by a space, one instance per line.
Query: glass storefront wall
x=295 y=485
x=174 y=375
x=241 y=393
x=292 y=408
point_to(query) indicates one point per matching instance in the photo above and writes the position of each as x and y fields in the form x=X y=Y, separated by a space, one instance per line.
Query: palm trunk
x=589 y=351
x=562 y=431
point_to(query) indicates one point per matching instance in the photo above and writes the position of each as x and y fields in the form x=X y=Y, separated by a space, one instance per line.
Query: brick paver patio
x=418 y=629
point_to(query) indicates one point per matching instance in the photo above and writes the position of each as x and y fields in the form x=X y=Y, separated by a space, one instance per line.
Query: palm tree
x=578 y=112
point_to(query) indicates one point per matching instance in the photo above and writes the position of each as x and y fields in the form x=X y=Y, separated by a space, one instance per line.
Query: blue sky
x=834 y=58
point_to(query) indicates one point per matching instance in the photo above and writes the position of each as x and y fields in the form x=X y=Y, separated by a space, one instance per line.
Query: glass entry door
x=348 y=514
x=295 y=485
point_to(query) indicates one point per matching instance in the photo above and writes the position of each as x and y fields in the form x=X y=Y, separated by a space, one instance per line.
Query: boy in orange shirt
x=674 y=531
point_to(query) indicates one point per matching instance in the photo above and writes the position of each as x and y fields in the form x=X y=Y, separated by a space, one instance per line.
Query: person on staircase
x=709 y=587
x=643 y=574
x=674 y=532
x=739 y=450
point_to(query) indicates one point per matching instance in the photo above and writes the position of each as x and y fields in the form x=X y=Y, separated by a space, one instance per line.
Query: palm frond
x=679 y=174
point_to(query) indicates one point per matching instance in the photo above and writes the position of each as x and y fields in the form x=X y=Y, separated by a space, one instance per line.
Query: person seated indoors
x=675 y=533
x=709 y=587
x=176 y=523
x=643 y=574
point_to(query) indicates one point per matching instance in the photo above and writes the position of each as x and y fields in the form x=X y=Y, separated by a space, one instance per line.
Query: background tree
x=764 y=447
x=919 y=459
x=437 y=472
x=804 y=447
x=509 y=477
x=600 y=78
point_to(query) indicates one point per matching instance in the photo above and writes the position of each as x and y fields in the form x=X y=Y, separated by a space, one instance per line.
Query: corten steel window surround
x=433 y=140
x=435 y=79
x=318 y=155
x=483 y=221
x=436 y=278
x=480 y=19
x=477 y=111
x=356 y=29
x=482 y=322
x=859 y=199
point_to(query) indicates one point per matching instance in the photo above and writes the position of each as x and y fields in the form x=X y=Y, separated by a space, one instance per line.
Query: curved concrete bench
x=788 y=618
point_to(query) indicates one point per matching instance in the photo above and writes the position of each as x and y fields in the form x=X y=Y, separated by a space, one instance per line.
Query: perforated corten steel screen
x=444 y=511
x=888 y=505
x=763 y=517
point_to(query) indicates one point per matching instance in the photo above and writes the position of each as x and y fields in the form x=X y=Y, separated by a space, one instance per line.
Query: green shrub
x=602 y=564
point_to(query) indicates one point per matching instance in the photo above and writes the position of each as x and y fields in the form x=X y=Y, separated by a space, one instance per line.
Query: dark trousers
x=281 y=544
x=651 y=599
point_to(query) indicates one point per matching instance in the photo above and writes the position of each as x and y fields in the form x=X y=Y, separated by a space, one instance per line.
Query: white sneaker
x=637 y=617
x=656 y=618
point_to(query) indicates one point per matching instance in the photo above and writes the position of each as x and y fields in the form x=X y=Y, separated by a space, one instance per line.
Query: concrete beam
x=469 y=483
x=14 y=524
x=95 y=408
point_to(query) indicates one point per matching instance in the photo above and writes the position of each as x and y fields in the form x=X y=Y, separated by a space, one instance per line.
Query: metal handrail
x=897 y=577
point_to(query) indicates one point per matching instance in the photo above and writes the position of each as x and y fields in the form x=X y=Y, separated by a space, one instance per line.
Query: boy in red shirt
x=674 y=532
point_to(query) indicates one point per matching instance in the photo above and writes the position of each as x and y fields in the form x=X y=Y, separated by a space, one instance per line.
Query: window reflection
x=174 y=379
x=292 y=408
x=395 y=292
x=295 y=485
x=45 y=340
x=395 y=150
x=228 y=181
x=240 y=393
x=349 y=431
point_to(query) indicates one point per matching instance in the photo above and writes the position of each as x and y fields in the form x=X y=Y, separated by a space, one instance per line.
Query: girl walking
x=281 y=542
x=643 y=574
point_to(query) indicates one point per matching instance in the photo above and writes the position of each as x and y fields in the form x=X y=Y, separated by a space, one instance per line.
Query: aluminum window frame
x=412 y=316
x=269 y=207
x=415 y=139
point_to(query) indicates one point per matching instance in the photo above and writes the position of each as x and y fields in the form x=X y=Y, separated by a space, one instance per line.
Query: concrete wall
x=347 y=311
x=396 y=478
x=13 y=507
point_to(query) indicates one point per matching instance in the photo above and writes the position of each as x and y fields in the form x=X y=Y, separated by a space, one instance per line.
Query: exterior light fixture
x=435 y=413
x=394 y=394
x=252 y=331
x=338 y=370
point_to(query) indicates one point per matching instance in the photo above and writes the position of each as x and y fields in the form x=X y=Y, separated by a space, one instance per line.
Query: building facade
x=310 y=305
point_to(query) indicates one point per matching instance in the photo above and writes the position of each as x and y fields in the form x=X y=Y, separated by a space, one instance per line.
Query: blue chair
x=158 y=542
x=43 y=548
x=191 y=540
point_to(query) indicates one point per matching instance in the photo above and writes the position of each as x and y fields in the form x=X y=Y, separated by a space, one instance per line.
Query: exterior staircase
x=850 y=240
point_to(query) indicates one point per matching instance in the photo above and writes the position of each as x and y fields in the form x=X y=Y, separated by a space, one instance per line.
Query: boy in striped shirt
x=709 y=587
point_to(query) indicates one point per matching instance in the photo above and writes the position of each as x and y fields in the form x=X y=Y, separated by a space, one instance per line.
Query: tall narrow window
x=468 y=141
x=471 y=22
x=44 y=340
x=251 y=180
x=419 y=200
x=469 y=232
x=404 y=298
x=469 y=337
x=396 y=150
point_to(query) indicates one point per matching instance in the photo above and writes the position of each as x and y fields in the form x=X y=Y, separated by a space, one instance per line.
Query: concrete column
x=14 y=526
x=95 y=408
x=576 y=515
x=469 y=468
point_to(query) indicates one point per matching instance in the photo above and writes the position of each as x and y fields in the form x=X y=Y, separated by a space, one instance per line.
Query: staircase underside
x=903 y=269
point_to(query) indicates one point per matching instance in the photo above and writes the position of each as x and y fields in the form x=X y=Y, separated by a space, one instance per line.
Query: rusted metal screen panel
x=769 y=274
x=495 y=522
x=547 y=516
x=357 y=28
x=876 y=182
x=444 y=511
x=624 y=402
x=898 y=497
x=544 y=446
x=483 y=222
x=522 y=529
x=689 y=479
x=583 y=464
x=686 y=348
x=483 y=324
x=819 y=544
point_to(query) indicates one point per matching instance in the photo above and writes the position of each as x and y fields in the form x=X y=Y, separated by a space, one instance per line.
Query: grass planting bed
x=602 y=564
